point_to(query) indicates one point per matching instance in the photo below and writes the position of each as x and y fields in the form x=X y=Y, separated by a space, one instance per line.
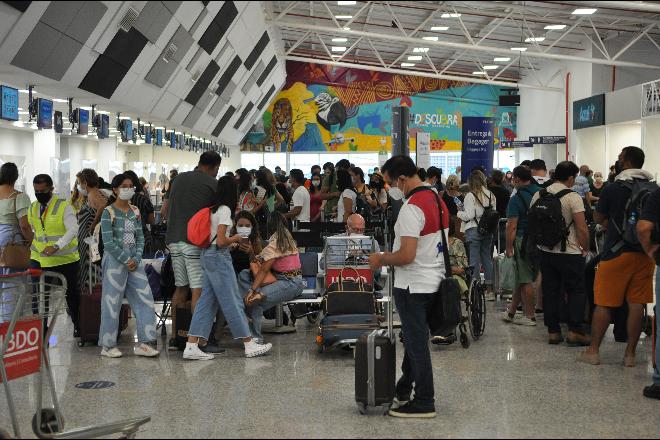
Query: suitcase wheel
x=81 y=344
x=362 y=408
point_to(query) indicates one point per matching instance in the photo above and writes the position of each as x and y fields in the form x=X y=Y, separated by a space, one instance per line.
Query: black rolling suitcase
x=375 y=365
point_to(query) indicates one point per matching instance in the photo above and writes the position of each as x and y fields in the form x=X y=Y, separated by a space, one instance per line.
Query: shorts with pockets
x=187 y=265
x=626 y=277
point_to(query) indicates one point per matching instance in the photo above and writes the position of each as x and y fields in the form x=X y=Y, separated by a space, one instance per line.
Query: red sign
x=366 y=274
x=23 y=356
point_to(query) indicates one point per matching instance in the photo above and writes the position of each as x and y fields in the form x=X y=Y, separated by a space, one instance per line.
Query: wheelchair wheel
x=477 y=312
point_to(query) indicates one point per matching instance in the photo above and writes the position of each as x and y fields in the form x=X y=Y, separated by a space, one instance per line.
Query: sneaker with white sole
x=112 y=353
x=525 y=321
x=193 y=353
x=506 y=317
x=252 y=349
x=146 y=350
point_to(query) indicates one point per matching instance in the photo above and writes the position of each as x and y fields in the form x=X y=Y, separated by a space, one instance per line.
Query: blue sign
x=159 y=137
x=83 y=121
x=9 y=103
x=478 y=145
x=172 y=140
x=127 y=133
x=147 y=135
x=589 y=112
x=44 y=113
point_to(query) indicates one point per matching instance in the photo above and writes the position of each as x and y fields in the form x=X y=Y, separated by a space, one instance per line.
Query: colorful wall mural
x=327 y=109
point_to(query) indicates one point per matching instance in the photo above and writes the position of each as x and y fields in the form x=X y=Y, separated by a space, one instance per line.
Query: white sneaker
x=112 y=353
x=193 y=353
x=490 y=297
x=145 y=350
x=252 y=349
x=525 y=321
x=507 y=318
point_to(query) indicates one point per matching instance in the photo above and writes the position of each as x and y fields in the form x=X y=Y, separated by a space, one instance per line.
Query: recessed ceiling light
x=430 y=38
x=339 y=40
x=346 y=3
x=346 y=28
x=533 y=39
x=584 y=11
x=502 y=60
x=491 y=67
x=343 y=17
x=420 y=50
x=415 y=58
x=336 y=56
x=555 y=27
x=452 y=15
x=519 y=49
x=23 y=113
x=338 y=48
x=478 y=73
x=440 y=28
x=407 y=64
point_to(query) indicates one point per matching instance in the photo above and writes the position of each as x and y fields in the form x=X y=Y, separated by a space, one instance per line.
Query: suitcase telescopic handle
x=390 y=305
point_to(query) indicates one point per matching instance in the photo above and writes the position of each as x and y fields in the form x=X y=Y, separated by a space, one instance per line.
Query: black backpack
x=640 y=191
x=546 y=223
x=362 y=207
x=489 y=220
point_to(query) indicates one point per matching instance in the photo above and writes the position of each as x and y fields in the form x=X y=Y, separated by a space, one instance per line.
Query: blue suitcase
x=344 y=330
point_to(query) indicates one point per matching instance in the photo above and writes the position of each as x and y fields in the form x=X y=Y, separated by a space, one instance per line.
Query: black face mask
x=44 y=198
x=618 y=168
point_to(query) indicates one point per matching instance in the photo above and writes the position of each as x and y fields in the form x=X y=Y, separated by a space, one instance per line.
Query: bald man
x=355 y=225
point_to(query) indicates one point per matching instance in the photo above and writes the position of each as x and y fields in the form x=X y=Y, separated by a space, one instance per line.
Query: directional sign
x=517 y=144
x=547 y=140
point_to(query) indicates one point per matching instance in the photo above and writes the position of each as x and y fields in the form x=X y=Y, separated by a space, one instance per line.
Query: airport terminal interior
x=329 y=219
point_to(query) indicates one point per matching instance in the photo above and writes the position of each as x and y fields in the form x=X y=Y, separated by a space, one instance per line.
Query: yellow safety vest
x=48 y=230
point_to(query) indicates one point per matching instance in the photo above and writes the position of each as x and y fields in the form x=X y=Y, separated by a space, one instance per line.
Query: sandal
x=254 y=298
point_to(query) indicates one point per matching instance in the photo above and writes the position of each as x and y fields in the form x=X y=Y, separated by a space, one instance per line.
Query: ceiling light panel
x=555 y=27
x=584 y=11
x=430 y=38
x=440 y=28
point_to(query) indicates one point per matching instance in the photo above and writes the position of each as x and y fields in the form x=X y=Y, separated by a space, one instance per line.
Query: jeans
x=219 y=291
x=656 y=372
x=417 y=368
x=481 y=253
x=117 y=282
x=563 y=274
x=283 y=290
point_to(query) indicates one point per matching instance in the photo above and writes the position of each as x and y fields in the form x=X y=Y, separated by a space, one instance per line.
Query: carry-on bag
x=347 y=297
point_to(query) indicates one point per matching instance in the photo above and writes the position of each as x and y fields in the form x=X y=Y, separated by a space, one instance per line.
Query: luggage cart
x=29 y=302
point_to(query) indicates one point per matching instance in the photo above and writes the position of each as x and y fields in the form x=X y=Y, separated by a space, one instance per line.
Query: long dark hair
x=8 y=174
x=244 y=181
x=136 y=181
x=284 y=241
x=344 y=180
x=255 y=237
x=264 y=182
x=312 y=188
x=226 y=195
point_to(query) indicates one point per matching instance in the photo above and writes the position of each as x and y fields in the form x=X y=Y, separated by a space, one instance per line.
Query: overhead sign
x=83 y=121
x=517 y=144
x=478 y=145
x=9 y=103
x=547 y=140
x=23 y=356
x=44 y=113
x=423 y=150
x=589 y=112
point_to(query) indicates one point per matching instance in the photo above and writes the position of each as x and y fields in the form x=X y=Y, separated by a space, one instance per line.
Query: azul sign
x=589 y=112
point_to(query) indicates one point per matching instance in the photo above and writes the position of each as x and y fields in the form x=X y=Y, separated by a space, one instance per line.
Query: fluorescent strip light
x=86 y=108
x=415 y=58
x=23 y=113
x=343 y=17
x=420 y=50
x=491 y=67
x=27 y=91
x=533 y=39
x=452 y=15
x=440 y=28
x=478 y=73
x=346 y=28
x=339 y=40
x=160 y=128
x=519 y=49
x=20 y=109
x=102 y=112
x=336 y=56
x=407 y=64
x=502 y=60
x=430 y=38
x=124 y=118
x=346 y=3
x=338 y=49
x=584 y=11
x=555 y=27
x=61 y=101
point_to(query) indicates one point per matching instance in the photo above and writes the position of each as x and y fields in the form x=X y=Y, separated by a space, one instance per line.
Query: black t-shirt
x=612 y=205
x=451 y=204
x=502 y=197
x=596 y=192
x=240 y=260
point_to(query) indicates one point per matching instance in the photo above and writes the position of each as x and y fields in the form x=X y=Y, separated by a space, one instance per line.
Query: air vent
x=130 y=17
x=169 y=54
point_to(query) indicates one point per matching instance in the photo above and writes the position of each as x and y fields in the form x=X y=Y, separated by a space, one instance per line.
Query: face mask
x=401 y=185
x=82 y=191
x=244 y=231
x=44 y=198
x=253 y=185
x=126 y=193
x=316 y=183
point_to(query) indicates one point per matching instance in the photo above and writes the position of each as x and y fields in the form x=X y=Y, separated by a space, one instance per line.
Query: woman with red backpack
x=220 y=288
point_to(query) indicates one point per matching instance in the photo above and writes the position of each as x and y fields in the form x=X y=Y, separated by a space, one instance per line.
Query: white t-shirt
x=301 y=198
x=221 y=217
x=347 y=194
x=425 y=273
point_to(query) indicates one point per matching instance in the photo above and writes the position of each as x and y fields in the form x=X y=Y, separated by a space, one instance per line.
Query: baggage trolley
x=29 y=302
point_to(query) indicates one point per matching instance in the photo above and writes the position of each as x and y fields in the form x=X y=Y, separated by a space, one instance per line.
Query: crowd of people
x=252 y=262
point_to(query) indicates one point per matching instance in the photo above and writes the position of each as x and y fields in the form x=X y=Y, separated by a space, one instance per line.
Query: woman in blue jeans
x=123 y=273
x=219 y=289
x=282 y=259
x=480 y=246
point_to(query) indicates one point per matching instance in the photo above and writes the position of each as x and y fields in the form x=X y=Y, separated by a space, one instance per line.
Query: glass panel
x=272 y=160
x=252 y=161
x=366 y=161
x=304 y=162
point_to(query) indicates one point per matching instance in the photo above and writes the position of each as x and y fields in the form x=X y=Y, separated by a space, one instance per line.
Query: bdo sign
x=23 y=356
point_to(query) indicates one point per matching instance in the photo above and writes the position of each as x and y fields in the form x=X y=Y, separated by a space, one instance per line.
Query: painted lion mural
x=281 y=130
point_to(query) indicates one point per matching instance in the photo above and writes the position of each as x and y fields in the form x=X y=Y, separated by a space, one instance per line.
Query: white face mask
x=244 y=231
x=82 y=191
x=126 y=193
x=316 y=183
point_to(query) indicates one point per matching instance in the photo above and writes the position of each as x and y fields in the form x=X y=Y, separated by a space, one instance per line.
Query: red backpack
x=199 y=228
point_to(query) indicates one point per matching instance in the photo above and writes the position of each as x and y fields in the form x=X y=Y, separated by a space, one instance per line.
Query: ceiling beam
x=460 y=46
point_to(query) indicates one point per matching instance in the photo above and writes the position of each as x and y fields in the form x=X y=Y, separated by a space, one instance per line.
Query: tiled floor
x=509 y=384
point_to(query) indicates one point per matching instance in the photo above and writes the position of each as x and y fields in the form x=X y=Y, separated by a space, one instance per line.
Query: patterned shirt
x=114 y=235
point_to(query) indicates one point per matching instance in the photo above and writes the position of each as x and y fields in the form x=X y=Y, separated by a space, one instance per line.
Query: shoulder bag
x=16 y=254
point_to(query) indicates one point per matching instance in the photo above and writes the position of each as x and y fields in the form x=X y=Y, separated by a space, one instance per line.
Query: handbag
x=255 y=268
x=348 y=297
x=15 y=255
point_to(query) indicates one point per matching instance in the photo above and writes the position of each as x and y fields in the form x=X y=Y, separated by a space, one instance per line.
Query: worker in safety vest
x=55 y=244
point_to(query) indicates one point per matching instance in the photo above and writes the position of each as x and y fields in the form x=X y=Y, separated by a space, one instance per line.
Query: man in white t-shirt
x=300 y=202
x=419 y=268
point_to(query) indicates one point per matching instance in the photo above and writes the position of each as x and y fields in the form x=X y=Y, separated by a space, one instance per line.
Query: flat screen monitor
x=58 y=121
x=159 y=137
x=9 y=103
x=83 y=121
x=104 y=127
x=44 y=113
x=172 y=140
x=127 y=130
x=135 y=136
x=147 y=135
